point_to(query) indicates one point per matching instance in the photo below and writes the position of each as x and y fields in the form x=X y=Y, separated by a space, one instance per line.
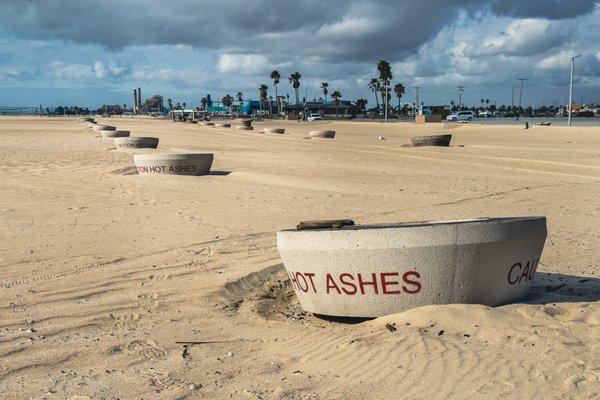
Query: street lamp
x=571 y=88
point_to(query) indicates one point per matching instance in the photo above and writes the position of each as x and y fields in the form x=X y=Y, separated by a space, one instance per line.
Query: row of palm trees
x=294 y=80
x=381 y=85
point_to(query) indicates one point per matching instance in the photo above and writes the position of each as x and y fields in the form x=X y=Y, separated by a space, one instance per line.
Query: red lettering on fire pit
x=349 y=284
x=180 y=169
x=154 y=168
x=347 y=281
x=300 y=282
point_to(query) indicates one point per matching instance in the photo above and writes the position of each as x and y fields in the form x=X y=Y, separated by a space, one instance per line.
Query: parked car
x=461 y=116
x=314 y=117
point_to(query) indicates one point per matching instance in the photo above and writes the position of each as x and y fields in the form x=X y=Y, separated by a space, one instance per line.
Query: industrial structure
x=139 y=99
x=152 y=104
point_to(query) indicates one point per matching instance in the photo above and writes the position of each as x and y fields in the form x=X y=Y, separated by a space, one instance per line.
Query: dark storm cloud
x=192 y=46
x=337 y=30
x=550 y=9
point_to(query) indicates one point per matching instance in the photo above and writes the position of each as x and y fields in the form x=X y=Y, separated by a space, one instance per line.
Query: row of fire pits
x=153 y=163
x=246 y=125
x=337 y=268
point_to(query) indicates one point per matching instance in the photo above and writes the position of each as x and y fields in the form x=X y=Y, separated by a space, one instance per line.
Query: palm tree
x=336 y=94
x=263 y=92
x=385 y=76
x=184 y=106
x=276 y=76
x=375 y=85
x=399 y=90
x=203 y=103
x=227 y=100
x=170 y=103
x=240 y=99
x=295 y=81
x=324 y=86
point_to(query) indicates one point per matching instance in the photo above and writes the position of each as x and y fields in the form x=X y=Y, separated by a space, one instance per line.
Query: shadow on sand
x=343 y=320
x=219 y=173
x=559 y=288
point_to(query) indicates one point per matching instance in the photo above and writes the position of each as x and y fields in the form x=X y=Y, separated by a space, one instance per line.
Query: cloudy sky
x=95 y=52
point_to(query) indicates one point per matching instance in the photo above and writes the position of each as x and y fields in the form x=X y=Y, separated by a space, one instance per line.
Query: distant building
x=344 y=107
x=247 y=107
x=251 y=106
x=111 y=110
x=444 y=111
x=153 y=104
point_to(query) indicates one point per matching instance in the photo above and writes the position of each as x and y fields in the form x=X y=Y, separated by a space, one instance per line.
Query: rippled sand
x=103 y=272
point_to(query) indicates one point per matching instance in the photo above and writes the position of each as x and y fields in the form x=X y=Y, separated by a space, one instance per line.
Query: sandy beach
x=116 y=285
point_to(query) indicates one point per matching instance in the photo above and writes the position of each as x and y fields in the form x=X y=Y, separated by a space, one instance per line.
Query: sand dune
x=113 y=285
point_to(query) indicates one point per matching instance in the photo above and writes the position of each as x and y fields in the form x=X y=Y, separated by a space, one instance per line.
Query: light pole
x=512 y=100
x=417 y=101
x=520 y=97
x=386 y=100
x=571 y=88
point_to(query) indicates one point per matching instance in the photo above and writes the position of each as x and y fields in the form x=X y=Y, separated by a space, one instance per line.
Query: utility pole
x=512 y=100
x=461 y=89
x=571 y=88
x=520 y=96
x=386 y=101
x=417 y=99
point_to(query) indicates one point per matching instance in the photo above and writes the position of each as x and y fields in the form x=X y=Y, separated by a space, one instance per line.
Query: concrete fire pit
x=107 y=134
x=206 y=123
x=176 y=164
x=86 y=119
x=104 y=128
x=322 y=134
x=370 y=271
x=222 y=125
x=246 y=122
x=136 y=142
x=274 y=130
x=244 y=128
x=433 y=140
